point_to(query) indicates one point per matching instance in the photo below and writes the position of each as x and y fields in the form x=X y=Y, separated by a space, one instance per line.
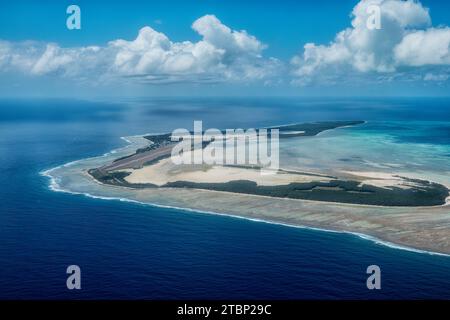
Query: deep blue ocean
x=132 y=251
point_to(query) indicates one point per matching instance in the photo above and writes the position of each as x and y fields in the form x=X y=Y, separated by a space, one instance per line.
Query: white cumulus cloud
x=424 y=47
x=222 y=54
x=406 y=40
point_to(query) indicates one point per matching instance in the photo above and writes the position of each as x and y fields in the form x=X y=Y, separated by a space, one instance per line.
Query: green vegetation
x=428 y=194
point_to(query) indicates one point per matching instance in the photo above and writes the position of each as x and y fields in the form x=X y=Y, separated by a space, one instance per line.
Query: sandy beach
x=164 y=171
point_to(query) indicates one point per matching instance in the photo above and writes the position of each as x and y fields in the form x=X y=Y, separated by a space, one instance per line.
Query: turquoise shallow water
x=415 y=148
x=129 y=250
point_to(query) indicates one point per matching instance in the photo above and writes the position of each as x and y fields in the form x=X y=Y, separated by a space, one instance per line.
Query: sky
x=225 y=48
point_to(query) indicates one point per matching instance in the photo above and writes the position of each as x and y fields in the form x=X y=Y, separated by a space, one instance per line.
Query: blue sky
x=285 y=26
x=276 y=33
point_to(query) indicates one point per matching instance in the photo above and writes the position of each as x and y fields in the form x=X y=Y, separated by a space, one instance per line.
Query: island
x=403 y=210
x=151 y=167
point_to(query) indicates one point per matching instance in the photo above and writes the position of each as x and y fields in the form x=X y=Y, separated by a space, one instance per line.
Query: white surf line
x=114 y=151
x=54 y=186
x=343 y=127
